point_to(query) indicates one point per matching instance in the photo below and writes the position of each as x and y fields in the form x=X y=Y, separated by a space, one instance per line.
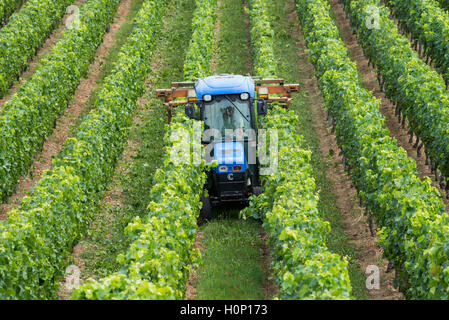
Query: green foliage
x=410 y=212
x=134 y=176
x=39 y=235
x=304 y=267
x=7 y=7
x=156 y=264
x=262 y=39
x=202 y=43
x=444 y=3
x=28 y=117
x=429 y=24
x=292 y=68
x=25 y=32
x=419 y=92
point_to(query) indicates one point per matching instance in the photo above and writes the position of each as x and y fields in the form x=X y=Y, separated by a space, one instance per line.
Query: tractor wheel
x=257 y=191
x=206 y=210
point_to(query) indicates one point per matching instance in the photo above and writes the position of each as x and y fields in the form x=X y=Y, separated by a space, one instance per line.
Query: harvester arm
x=176 y=96
x=265 y=88
x=271 y=90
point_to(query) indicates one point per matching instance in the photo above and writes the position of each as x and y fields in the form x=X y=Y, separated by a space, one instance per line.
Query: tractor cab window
x=227 y=112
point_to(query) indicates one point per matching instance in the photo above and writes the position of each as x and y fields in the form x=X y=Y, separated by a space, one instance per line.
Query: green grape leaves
x=38 y=236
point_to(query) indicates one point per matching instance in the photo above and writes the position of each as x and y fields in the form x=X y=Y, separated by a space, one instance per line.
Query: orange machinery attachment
x=271 y=90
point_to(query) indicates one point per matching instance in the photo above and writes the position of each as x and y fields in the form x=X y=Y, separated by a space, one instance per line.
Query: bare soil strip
x=191 y=292
x=41 y=51
x=214 y=62
x=64 y=125
x=355 y=223
x=270 y=287
x=369 y=77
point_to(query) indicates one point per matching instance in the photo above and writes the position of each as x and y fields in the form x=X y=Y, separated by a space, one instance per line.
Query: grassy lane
x=232 y=259
x=232 y=53
x=232 y=249
x=286 y=53
x=129 y=193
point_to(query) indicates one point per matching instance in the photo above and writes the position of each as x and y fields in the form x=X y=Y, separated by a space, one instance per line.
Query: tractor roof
x=224 y=84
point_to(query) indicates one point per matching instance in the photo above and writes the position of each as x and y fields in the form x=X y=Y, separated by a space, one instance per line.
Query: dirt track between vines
x=65 y=124
x=355 y=223
x=369 y=77
x=52 y=39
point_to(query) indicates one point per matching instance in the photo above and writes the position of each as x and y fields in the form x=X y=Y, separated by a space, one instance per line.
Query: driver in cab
x=230 y=121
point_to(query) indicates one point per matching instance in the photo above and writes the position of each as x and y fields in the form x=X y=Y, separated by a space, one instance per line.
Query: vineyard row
x=39 y=235
x=409 y=212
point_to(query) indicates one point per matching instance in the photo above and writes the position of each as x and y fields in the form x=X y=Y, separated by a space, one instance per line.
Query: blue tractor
x=229 y=106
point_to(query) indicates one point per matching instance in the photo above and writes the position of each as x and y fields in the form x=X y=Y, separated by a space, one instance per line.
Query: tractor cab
x=229 y=106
